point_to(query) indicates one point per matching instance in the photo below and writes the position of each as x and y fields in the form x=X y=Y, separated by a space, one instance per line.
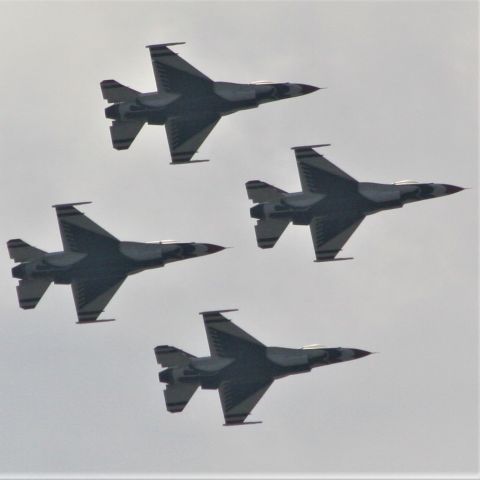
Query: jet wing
x=92 y=296
x=186 y=134
x=225 y=339
x=329 y=234
x=174 y=75
x=239 y=399
x=318 y=175
x=268 y=231
x=79 y=233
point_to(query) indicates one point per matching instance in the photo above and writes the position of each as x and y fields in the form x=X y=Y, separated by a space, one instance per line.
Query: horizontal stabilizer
x=168 y=356
x=269 y=231
x=260 y=192
x=31 y=291
x=115 y=92
x=21 y=251
x=124 y=133
x=177 y=395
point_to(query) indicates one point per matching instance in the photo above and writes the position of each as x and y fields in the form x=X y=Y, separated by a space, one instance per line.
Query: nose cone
x=357 y=353
x=304 y=89
x=192 y=250
x=449 y=189
x=211 y=248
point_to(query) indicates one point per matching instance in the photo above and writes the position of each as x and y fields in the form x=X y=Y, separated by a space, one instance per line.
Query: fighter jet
x=239 y=366
x=94 y=262
x=331 y=202
x=187 y=102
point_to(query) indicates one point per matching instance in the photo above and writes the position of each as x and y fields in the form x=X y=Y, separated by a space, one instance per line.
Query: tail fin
x=168 y=356
x=21 y=251
x=115 y=92
x=260 y=192
x=31 y=291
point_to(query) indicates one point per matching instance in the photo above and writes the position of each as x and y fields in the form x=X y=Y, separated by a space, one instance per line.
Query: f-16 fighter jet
x=239 y=366
x=187 y=102
x=94 y=262
x=331 y=202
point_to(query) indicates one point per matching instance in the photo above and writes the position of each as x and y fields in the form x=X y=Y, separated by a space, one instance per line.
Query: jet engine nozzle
x=258 y=211
x=113 y=112
x=166 y=376
x=19 y=271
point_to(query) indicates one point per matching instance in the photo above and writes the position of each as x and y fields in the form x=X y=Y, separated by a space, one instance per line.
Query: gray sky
x=401 y=103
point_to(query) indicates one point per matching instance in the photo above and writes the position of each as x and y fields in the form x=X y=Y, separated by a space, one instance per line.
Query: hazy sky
x=401 y=103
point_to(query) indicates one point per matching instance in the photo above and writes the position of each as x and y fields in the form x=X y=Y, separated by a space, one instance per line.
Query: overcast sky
x=401 y=103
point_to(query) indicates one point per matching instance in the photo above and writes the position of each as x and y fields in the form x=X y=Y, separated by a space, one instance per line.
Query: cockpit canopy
x=312 y=346
x=406 y=182
x=162 y=242
x=261 y=82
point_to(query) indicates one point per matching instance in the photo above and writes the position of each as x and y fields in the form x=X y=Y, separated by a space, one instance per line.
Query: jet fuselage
x=222 y=98
x=363 y=198
x=121 y=259
x=263 y=365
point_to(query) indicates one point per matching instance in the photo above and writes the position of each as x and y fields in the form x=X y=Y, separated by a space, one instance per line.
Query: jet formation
x=331 y=202
x=239 y=366
x=93 y=262
x=187 y=102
